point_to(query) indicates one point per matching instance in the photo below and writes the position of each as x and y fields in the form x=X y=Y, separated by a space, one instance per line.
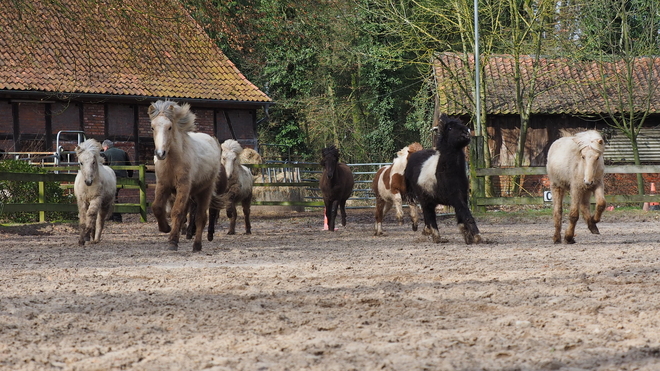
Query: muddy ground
x=293 y=297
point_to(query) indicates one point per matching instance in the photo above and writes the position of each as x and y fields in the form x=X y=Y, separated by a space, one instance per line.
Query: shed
x=566 y=98
x=95 y=66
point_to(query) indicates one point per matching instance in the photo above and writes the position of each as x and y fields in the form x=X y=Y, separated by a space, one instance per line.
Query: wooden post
x=143 y=192
x=42 y=199
x=477 y=183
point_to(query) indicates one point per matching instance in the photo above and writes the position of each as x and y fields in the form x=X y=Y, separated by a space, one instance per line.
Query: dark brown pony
x=336 y=185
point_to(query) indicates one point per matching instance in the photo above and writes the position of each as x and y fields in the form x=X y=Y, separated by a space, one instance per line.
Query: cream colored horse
x=94 y=188
x=187 y=166
x=575 y=164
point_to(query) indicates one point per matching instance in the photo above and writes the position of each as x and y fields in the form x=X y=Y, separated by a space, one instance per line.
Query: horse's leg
x=431 y=225
x=331 y=213
x=573 y=215
x=342 y=209
x=92 y=220
x=380 y=207
x=557 y=210
x=159 y=207
x=231 y=214
x=213 y=219
x=192 y=210
x=105 y=209
x=398 y=206
x=414 y=216
x=585 y=209
x=82 y=222
x=246 y=213
x=599 y=194
x=201 y=202
x=466 y=223
x=178 y=212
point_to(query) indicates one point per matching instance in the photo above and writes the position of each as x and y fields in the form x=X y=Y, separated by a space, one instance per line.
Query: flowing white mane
x=591 y=139
x=180 y=115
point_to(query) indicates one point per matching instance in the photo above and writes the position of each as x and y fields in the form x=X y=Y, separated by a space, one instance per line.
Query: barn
x=566 y=97
x=95 y=66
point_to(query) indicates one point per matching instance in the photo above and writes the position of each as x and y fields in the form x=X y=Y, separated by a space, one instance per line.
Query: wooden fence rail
x=63 y=176
x=482 y=200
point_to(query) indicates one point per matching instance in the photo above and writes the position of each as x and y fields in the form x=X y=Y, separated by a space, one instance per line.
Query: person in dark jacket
x=115 y=156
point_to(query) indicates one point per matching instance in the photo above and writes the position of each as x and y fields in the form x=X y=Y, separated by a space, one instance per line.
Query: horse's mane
x=329 y=151
x=91 y=145
x=590 y=138
x=178 y=114
x=232 y=146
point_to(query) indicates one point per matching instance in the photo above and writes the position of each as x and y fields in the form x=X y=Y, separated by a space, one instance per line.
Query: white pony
x=239 y=185
x=575 y=164
x=95 y=187
x=187 y=167
x=389 y=186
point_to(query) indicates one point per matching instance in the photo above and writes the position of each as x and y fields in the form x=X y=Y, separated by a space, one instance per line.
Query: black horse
x=439 y=177
x=336 y=186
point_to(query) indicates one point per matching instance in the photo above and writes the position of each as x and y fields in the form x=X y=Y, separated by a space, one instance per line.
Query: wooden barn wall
x=33 y=126
x=503 y=132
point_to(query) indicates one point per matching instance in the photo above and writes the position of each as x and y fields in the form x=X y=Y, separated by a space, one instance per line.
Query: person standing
x=115 y=156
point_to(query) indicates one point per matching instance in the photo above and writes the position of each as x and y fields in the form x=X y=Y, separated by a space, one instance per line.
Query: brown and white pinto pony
x=389 y=186
x=575 y=164
x=187 y=166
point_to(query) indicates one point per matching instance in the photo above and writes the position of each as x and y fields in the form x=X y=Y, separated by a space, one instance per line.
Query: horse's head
x=88 y=153
x=231 y=150
x=168 y=119
x=452 y=133
x=330 y=160
x=591 y=146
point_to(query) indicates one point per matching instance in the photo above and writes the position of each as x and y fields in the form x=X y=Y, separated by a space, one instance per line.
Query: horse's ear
x=151 y=110
x=600 y=141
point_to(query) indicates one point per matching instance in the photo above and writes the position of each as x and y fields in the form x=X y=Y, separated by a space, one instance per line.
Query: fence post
x=477 y=183
x=143 y=192
x=42 y=200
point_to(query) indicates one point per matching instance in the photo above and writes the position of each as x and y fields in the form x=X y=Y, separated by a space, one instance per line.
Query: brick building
x=96 y=66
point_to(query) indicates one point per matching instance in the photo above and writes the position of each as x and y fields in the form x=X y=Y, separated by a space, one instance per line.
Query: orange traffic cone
x=652 y=204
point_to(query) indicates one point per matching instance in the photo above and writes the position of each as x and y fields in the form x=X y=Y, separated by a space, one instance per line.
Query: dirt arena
x=293 y=297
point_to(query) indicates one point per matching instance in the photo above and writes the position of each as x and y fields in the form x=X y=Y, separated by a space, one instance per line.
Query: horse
x=94 y=188
x=439 y=177
x=389 y=186
x=214 y=209
x=239 y=186
x=575 y=164
x=336 y=185
x=187 y=167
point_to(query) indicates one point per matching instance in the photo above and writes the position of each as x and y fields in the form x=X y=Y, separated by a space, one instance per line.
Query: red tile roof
x=563 y=86
x=131 y=47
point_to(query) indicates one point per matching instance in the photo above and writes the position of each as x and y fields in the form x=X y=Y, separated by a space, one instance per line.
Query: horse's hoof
x=570 y=241
x=168 y=229
x=172 y=246
x=248 y=232
x=414 y=227
x=81 y=243
x=210 y=237
x=231 y=232
x=594 y=230
x=197 y=247
x=477 y=239
x=438 y=239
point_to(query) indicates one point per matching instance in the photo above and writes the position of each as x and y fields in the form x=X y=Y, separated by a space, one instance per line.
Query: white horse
x=575 y=164
x=239 y=185
x=186 y=167
x=94 y=188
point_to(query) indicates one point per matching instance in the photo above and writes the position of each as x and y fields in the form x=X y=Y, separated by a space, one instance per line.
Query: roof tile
x=563 y=86
x=133 y=47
